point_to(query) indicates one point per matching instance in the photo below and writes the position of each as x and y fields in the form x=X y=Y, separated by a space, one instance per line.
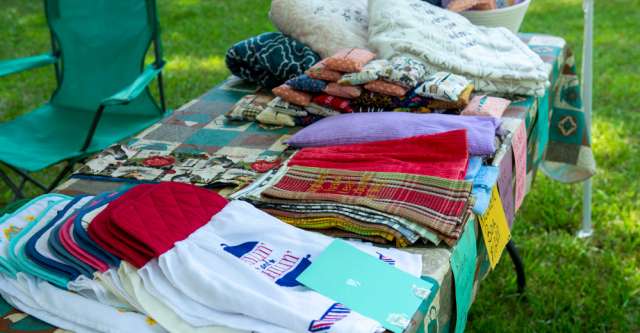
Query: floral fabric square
x=407 y=72
x=371 y=72
x=444 y=86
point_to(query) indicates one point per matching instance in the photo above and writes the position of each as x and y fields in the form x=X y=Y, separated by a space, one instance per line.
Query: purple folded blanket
x=367 y=127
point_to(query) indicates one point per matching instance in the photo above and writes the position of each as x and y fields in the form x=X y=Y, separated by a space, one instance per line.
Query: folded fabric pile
x=168 y=257
x=494 y=59
x=399 y=190
x=353 y=81
x=269 y=59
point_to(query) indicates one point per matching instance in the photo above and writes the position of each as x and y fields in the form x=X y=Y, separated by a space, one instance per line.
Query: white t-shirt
x=246 y=261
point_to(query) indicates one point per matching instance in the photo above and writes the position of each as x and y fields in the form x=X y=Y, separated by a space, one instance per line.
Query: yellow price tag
x=495 y=228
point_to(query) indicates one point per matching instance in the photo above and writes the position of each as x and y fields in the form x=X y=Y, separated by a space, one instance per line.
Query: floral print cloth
x=443 y=86
x=269 y=59
x=406 y=71
x=371 y=72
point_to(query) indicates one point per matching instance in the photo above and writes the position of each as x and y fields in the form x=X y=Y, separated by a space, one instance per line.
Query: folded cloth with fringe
x=441 y=204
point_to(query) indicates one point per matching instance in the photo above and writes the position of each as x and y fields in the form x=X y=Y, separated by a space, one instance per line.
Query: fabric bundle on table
x=269 y=59
x=149 y=259
x=418 y=179
x=368 y=127
x=494 y=59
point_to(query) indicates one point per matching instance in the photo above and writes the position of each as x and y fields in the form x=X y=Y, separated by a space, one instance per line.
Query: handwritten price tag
x=519 y=144
x=495 y=229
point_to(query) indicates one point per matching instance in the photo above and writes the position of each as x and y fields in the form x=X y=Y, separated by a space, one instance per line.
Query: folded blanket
x=270 y=59
x=494 y=59
x=441 y=204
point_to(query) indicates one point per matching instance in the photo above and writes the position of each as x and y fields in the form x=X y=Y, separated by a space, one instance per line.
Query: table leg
x=518 y=265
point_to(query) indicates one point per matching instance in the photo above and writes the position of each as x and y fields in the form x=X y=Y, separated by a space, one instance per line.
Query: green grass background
x=573 y=285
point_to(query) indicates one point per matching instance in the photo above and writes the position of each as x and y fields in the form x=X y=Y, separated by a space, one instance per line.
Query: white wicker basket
x=509 y=17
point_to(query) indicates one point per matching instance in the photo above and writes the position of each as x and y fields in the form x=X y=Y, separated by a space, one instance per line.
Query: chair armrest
x=129 y=93
x=8 y=67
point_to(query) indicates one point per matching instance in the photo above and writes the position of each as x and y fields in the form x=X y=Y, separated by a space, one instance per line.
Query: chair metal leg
x=518 y=265
x=61 y=176
x=27 y=177
x=17 y=191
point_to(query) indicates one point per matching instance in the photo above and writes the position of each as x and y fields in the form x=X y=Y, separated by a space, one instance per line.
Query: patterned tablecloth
x=196 y=144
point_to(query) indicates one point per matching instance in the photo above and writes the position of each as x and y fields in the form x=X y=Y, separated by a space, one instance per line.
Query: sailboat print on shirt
x=283 y=269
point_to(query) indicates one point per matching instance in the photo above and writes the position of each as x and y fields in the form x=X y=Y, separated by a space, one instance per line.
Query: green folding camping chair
x=102 y=96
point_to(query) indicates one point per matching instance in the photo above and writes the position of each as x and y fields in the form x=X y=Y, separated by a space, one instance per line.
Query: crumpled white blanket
x=494 y=59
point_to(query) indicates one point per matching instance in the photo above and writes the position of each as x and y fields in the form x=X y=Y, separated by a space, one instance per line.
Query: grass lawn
x=573 y=285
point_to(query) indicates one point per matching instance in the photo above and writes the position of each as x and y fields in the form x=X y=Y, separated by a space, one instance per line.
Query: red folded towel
x=440 y=155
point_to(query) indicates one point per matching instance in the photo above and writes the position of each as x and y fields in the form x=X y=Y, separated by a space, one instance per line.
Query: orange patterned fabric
x=291 y=95
x=344 y=91
x=349 y=60
x=321 y=72
x=386 y=88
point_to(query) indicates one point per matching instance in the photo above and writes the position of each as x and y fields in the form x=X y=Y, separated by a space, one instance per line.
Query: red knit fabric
x=148 y=220
x=440 y=155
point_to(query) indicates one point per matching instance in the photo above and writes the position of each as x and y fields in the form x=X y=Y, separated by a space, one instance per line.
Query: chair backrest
x=102 y=45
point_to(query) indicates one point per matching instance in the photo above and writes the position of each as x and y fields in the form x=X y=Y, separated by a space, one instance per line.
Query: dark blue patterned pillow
x=306 y=83
x=270 y=59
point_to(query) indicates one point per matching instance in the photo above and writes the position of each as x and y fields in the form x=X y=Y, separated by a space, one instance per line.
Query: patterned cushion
x=370 y=99
x=306 y=83
x=444 y=86
x=248 y=107
x=335 y=103
x=486 y=106
x=407 y=72
x=321 y=72
x=291 y=95
x=343 y=91
x=271 y=117
x=269 y=59
x=386 y=88
x=325 y=25
x=371 y=72
x=349 y=60
x=462 y=101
